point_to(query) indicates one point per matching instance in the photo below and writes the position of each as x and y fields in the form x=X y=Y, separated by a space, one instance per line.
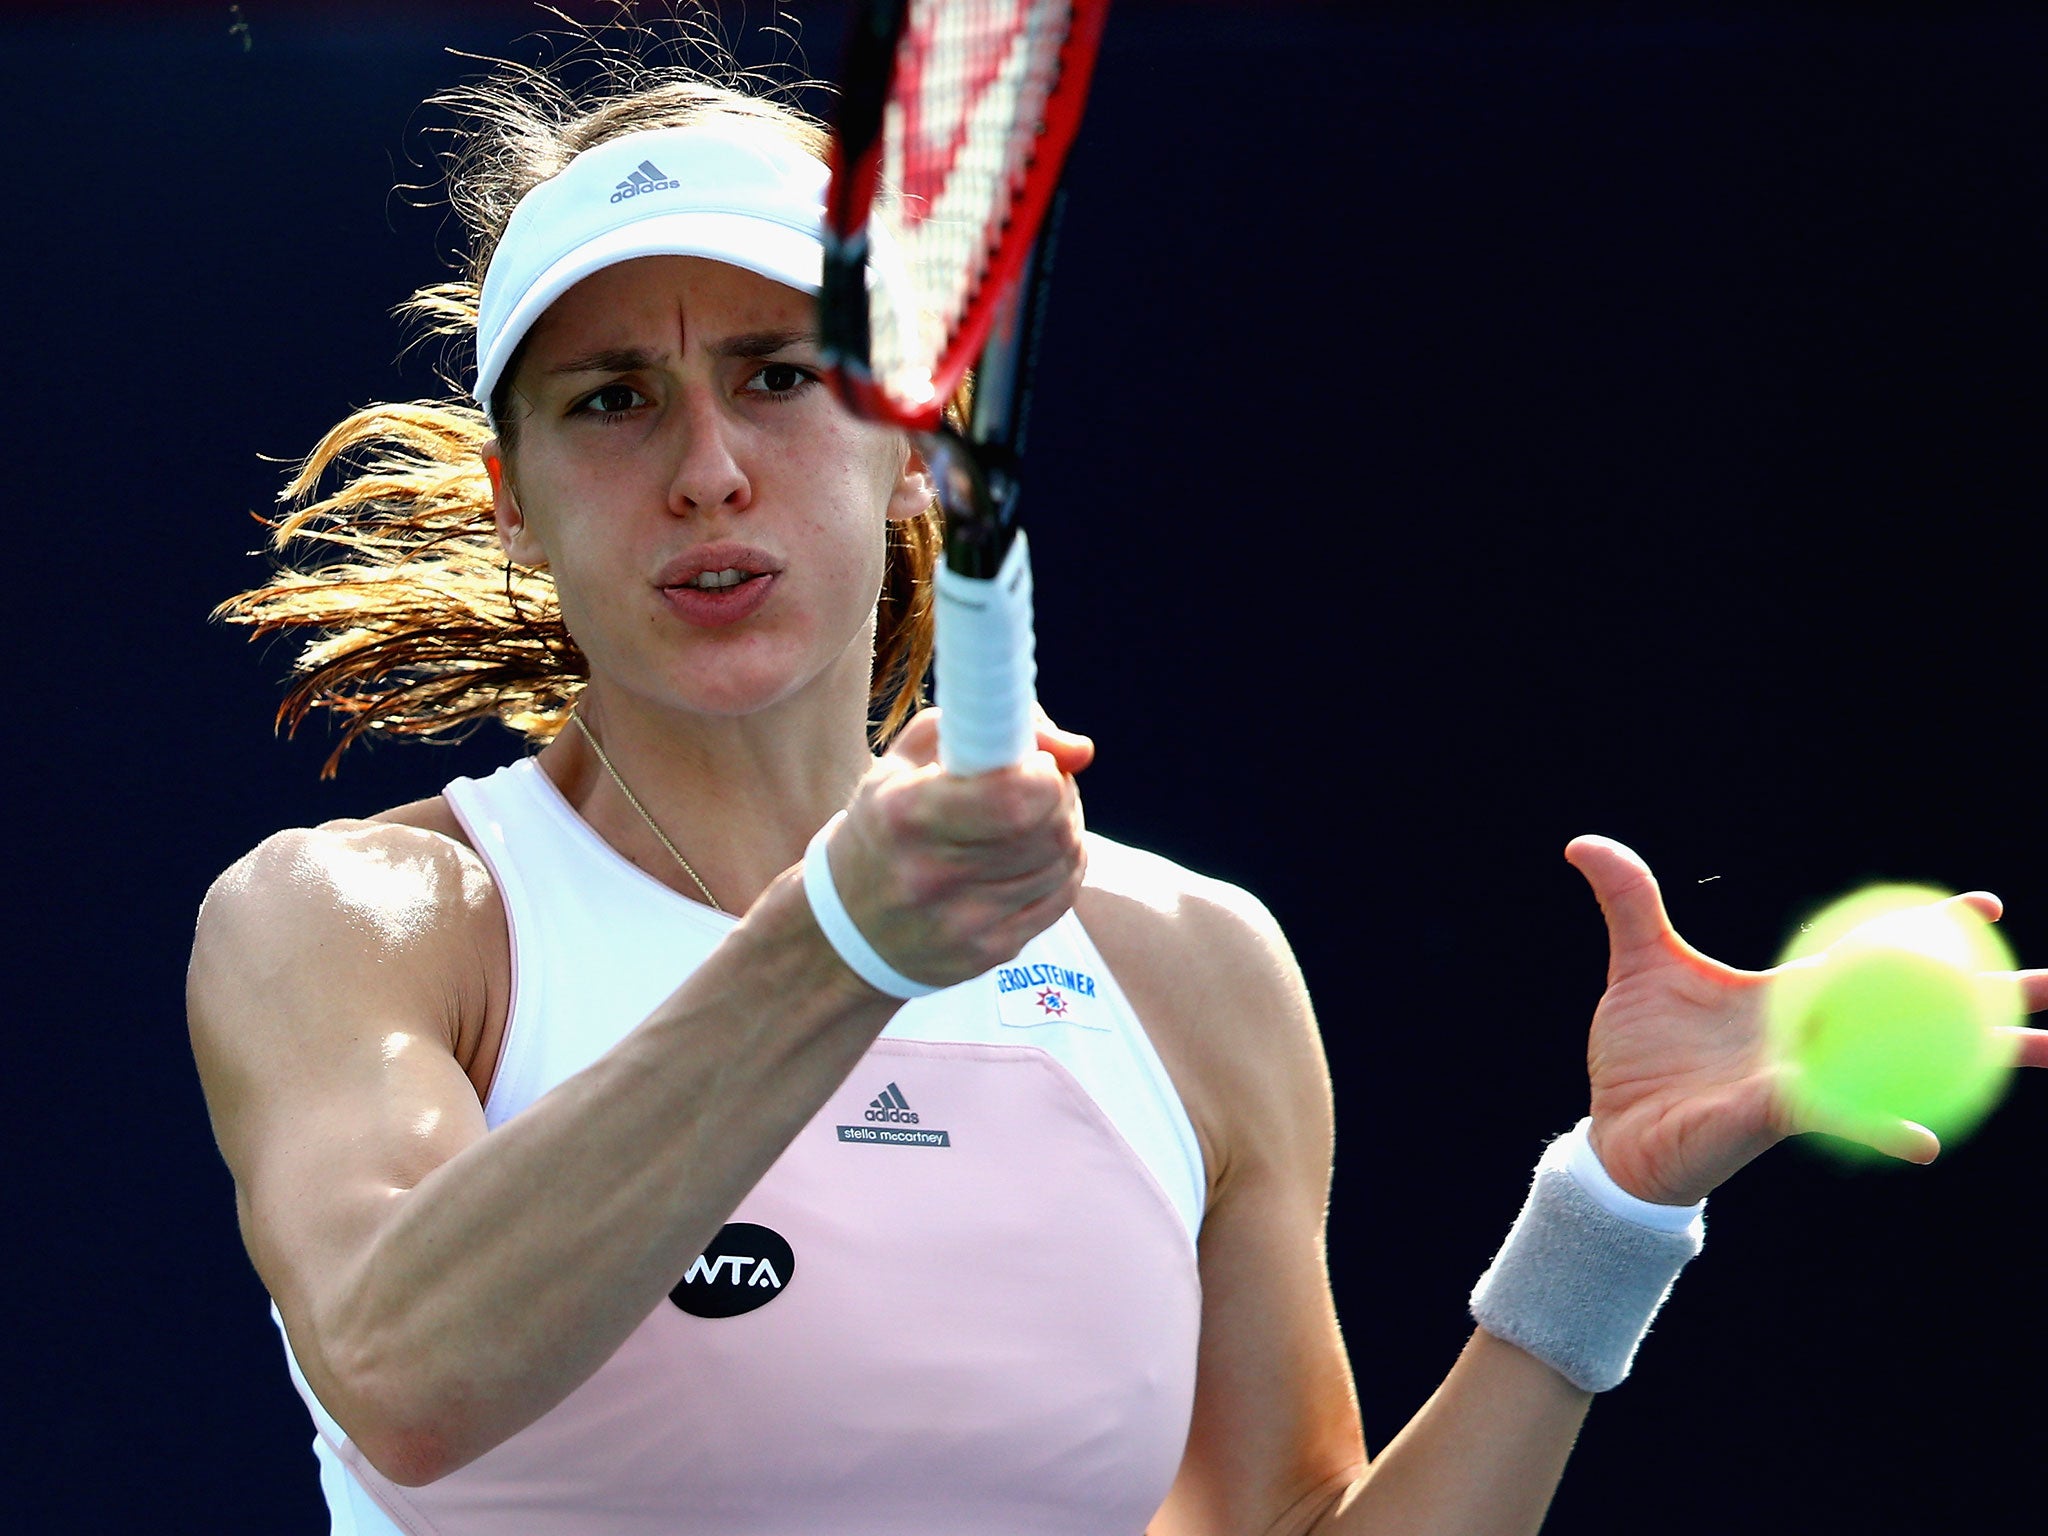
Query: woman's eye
x=612 y=400
x=782 y=378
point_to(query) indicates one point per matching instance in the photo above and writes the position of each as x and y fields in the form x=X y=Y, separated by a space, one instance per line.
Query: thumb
x=1638 y=929
x=917 y=744
x=1070 y=749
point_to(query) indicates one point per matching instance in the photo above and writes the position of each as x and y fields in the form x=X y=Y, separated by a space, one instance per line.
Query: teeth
x=710 y=581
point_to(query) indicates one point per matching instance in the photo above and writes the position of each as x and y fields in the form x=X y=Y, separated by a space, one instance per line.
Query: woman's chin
x=739 y=692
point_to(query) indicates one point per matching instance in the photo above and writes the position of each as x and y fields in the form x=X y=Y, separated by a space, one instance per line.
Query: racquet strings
x=961 y=136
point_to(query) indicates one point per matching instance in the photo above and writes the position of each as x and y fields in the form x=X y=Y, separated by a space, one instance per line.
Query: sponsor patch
x=1029 y=996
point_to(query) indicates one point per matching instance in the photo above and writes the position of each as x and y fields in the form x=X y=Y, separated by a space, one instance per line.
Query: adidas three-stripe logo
x=890 y=1104
x=645 y=177
x=893 y=1109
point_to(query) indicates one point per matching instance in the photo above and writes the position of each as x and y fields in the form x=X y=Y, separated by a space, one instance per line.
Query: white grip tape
x=987 y=666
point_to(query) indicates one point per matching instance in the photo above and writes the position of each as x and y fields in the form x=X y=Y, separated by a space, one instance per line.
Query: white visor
x=749 y=198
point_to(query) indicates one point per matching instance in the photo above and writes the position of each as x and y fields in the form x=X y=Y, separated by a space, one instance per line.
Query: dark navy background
x=1460 y=428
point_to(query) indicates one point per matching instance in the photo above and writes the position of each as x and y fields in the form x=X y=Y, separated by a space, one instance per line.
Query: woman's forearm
x=1482 y=1457
x=514 y=1270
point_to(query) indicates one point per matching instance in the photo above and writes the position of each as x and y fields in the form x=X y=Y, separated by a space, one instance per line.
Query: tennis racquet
x=953 y=125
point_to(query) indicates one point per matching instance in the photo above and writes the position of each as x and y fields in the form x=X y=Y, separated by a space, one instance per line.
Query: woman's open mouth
x=718 y=586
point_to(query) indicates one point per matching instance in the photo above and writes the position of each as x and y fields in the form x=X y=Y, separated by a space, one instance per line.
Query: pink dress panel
x=997 y=1335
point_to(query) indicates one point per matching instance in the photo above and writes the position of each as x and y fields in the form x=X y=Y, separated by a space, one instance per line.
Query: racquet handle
x=987 y=666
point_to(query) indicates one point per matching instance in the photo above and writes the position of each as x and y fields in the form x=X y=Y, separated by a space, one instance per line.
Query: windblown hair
x=414 y=622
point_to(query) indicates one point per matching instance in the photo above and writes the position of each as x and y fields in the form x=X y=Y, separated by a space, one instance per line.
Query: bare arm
x=443 y=1287
x=1683 y=1095
x=1276 y=1443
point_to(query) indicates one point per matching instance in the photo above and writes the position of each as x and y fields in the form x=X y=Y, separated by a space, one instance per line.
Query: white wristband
x=838 y=926
x=1578 y=1282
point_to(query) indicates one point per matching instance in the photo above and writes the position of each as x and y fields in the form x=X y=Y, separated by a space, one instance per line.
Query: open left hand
x=1684 y=1089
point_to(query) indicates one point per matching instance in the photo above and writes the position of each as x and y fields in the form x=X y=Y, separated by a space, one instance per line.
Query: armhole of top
x=487 y=838
x=1165 y=1092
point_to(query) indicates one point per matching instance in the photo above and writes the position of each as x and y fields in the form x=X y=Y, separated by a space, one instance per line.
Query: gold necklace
x=634 y=801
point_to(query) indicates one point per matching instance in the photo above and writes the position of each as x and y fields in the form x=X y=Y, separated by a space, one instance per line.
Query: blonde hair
x=415 y=623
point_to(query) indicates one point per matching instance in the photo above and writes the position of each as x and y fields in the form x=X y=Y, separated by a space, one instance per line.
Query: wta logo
x=646 y=177
x=746 y=1266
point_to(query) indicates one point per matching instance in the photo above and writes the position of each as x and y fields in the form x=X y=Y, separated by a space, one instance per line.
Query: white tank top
x=964 y=1299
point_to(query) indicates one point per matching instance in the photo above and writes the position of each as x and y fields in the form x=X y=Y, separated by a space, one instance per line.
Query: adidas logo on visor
x=646 y=177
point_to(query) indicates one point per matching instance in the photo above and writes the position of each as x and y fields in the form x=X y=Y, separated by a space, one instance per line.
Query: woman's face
x=713 y=518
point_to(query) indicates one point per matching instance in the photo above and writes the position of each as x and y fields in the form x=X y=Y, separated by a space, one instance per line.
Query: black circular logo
x=746 y=1266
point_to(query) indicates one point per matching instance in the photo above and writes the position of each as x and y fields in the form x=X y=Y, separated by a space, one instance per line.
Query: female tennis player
x=596 y=1190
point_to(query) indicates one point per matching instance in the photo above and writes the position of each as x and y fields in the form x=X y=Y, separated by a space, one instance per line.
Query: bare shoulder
x=396 y=908
x=1200 y=935
x=1209 y=971
x=341 y=1000
x=390 y=882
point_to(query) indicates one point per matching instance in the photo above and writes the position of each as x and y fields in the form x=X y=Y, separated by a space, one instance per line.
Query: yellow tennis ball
x=1889 y=1007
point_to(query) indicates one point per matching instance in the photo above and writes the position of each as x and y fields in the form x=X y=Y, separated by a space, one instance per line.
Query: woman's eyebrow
x=607 y=360
x=637 y=359
x=765 y=343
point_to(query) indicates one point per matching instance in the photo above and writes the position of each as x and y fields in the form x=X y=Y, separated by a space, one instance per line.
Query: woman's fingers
x=918 y=742
x=948 y=876
x=2030 y=1045
x=1007 y=917
x=2033 y=990
x=1983 y=903
x=1637 y=926
x=1904 y=1140
x=994 y=825
x=1070 y=749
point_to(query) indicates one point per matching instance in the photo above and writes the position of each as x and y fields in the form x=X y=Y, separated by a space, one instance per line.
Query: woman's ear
x=514 y=536
x=914 y=489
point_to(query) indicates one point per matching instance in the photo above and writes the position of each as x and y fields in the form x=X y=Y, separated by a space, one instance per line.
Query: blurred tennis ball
x=1890 y=1007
